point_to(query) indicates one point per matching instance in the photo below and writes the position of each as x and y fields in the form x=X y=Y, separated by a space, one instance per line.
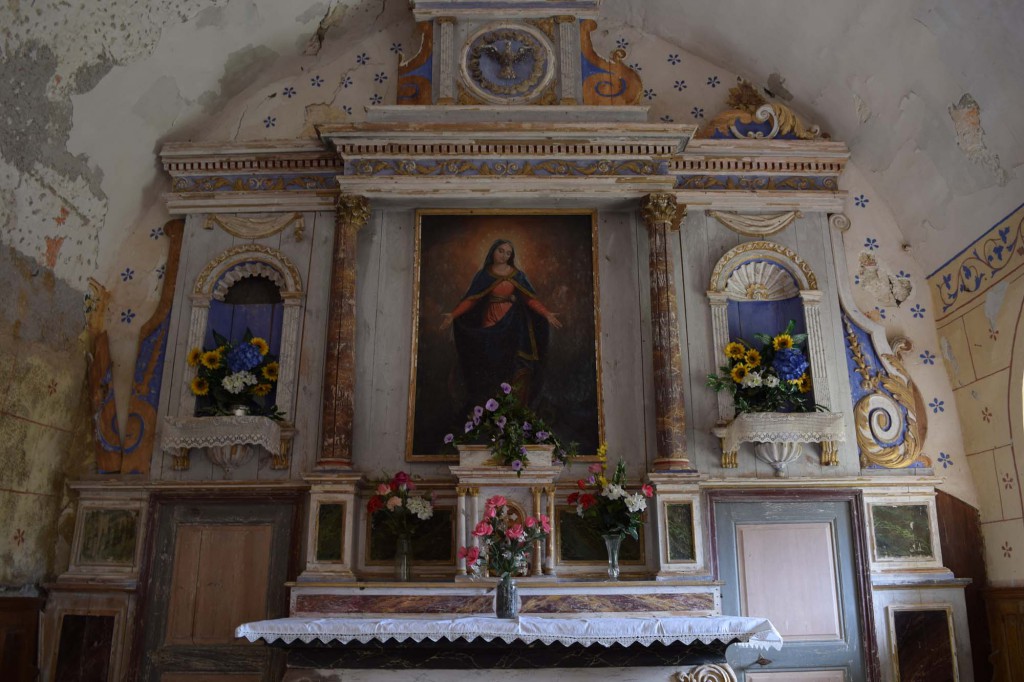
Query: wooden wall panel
x=788 y=574
x=1006 y=622
x=960 y=540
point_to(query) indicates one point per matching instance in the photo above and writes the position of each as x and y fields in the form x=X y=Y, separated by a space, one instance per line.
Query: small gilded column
x=662 y=215
x=461 y=535
x=549 y=560
x=340 y=366
x=474 y=513
x=537 y=511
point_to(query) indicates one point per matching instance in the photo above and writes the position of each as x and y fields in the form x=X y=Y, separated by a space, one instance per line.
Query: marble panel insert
x=84 y=651
x=901 y=530
x=923 y=640
x=330 y=532
x=108 y=536
x=316 y=604
x=679 y=516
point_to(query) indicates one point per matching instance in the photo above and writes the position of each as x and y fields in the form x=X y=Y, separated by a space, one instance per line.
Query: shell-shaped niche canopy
x=761 y=281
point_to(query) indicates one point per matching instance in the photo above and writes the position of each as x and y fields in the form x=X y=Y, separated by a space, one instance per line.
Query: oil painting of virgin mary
x=504 y=298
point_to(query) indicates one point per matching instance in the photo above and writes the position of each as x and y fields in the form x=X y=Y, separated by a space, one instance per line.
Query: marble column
x=662 y=215
x=340 y=365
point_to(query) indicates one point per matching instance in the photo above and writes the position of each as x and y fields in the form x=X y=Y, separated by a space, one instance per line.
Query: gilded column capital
x=566 y=19
x=446 y=20
x=353 y=210
x=662 y=208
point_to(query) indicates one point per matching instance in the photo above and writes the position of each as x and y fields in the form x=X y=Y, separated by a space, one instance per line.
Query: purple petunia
x=506 y=388
x=527 y=426
x=501 y=421
x=522 y=449
x=449 y=438
x=469 y=426
x=517 y=465
x=542 y=436
x=491 y=404
x=476 y=421
x=478 y=411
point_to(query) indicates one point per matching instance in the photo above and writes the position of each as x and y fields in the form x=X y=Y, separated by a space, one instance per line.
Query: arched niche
x=759 y=286
x=254 y=287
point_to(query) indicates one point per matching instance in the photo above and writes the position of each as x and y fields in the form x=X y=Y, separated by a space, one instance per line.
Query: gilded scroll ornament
x=243 y=252
x=749 y=110
x=353 y=210
x=890 y=408
x=755 y=225
x=709 y=672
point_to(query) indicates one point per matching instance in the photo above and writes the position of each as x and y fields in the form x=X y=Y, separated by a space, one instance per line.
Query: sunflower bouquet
x=773 y=379
x=233 y=377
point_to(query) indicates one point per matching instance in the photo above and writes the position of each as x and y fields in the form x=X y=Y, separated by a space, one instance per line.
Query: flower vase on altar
x=393 y=507
x=506 y=598
x=612 y=543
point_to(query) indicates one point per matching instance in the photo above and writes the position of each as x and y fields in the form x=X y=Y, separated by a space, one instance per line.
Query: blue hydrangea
x=243 y=357
x=789 y=364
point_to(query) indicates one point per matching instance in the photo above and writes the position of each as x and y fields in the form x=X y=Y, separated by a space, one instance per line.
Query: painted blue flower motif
x=673 y=59
x=856 y=280
x=636 y=67
x=316 y=81
x=945 y=460
x=288 y=92
x=128 y=275
x=918 y=311
x=622 y=43
x=127 y=316
x=667 y=119
x=679 y=85
x=937 y=405
x=161 y=270
x=380 y=77
x=927 y=357
x=713 y=81
x=347 y=109
x=269 y=122
x=880 y=311
x=362 y=59
x=870 y=243
x=697 y=112
x=860 y=201
x=376 y=99
x=396 y=47
x=650 y=94
x=903 y=275
x=156 y=233
x=346 y=82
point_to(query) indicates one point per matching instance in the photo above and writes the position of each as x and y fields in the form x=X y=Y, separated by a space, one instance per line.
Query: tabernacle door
x=793 y=562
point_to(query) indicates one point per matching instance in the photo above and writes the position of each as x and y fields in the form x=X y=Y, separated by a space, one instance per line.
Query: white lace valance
x=586 y=630
x=782 y=427
x=211 y=432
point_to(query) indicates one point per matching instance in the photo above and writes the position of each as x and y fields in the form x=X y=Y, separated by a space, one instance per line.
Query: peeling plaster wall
x=97 y=88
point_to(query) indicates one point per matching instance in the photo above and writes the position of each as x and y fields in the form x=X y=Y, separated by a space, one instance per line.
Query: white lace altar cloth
x=757 y=633
x=782 y=427
x=206 y=432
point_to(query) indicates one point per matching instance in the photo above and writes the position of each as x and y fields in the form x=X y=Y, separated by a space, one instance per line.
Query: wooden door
x=214 y=566
x=795 y=563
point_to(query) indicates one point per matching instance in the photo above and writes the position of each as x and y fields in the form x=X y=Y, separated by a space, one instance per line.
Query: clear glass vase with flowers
x=608 y=506
x=509 y=429
x=505 y=544
x=394 y=507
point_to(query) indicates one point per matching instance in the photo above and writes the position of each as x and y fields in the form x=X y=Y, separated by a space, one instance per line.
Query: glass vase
x=506 y=598
x=612 y=542
x=403 y=558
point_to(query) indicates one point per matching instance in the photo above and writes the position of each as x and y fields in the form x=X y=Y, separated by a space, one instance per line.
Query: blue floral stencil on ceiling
x=679 y=85
x=937 y=405
x=927 y=357
x=945 y=460
x=673 y=59
x=288 y=92
x=860 y=201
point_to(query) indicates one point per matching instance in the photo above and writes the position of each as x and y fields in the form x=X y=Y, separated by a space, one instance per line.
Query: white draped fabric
x=586 y=630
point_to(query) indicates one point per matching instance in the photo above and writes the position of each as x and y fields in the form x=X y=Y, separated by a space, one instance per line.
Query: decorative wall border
x=988 y=260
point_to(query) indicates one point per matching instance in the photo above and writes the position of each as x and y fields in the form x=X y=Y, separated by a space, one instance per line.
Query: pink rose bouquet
x=505 y=540
x=393 y=505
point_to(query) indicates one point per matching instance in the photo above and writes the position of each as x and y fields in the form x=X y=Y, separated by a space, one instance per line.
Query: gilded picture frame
x=496 y=335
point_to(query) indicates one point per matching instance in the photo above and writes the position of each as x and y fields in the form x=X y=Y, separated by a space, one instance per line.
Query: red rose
x=374 y=505
x=401 y=478
x=573 y=497
x=581 y=484
x=587 y=500
x=647 y=490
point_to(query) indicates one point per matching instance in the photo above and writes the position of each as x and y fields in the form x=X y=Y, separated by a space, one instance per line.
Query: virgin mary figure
x=501 y=329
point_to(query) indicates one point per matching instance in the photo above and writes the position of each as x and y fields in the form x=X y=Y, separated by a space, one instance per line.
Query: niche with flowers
x=761 y=288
